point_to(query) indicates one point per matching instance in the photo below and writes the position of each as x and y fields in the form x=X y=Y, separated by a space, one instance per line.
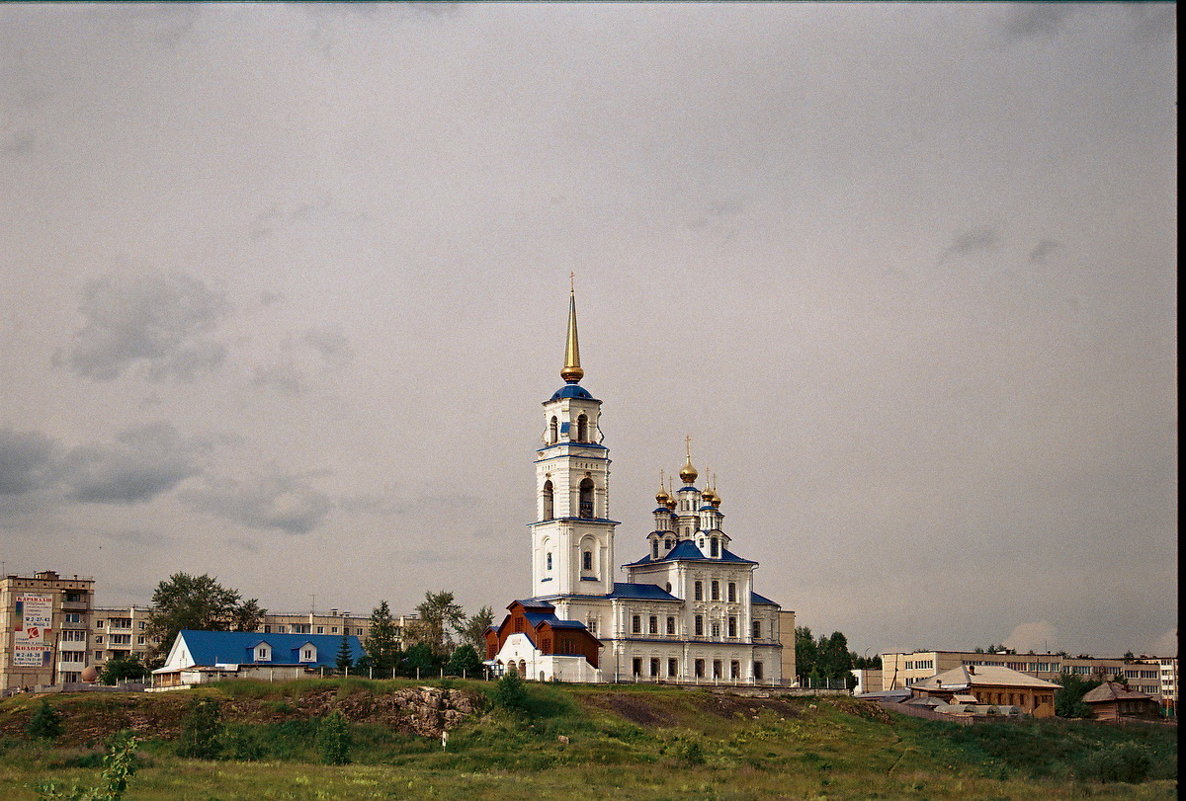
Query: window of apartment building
x=72 y=617
x=75 y=597
x=732 y=627
x=121 y=622
x=99 y=624
x=98 y=656
x=757 y=625
x=143 y=625
x=73 y=656
x=98 y=639
x=267 y=629
x=121 y=639
x=71 y=677
x=636 y=625
x=716 y=590
x=672 y=667
x=699 y=626
x=321 y=629
x=281 y=629
x=653 y=625
x=671 y=625
x=333 y=630
x=732 y=592
x=140 y=640
x=74 y=636
x=698 y=591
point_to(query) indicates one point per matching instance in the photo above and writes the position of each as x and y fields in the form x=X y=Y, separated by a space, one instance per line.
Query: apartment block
x=43 y=628
x=1156 y=677
x=333 y=622
x=118 y=631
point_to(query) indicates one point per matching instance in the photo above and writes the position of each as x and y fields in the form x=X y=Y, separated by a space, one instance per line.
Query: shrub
x=201 y=730
x=118 y=767
x=46 y=722
x=1123 y=762
x=333 y=739
x=510 y=694
x=241 y=743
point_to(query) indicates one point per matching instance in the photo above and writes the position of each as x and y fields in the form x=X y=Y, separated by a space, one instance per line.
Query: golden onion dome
x=662 y=497
x=687 y=473
x=716 y=500
x=708 y=496
x=670 y=503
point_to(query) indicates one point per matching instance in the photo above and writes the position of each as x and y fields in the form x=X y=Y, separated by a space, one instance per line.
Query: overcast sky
x=284 y=287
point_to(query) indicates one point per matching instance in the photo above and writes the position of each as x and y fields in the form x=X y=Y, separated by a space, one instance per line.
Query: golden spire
x=572 y=372
x=688 y=473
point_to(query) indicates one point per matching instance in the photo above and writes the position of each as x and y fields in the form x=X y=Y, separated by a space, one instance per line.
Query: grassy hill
x=578 y=742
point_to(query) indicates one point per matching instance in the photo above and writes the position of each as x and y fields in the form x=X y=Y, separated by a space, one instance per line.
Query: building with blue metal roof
x=687 y=611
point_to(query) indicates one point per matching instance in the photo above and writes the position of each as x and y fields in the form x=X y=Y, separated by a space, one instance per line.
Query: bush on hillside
x=45 y=723
x=510 y=694
x=201 y=730
x=333 y=739
x=1123 y=762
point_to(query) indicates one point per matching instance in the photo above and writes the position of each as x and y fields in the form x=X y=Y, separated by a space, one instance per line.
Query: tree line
x=442 y=637
x=827 y=661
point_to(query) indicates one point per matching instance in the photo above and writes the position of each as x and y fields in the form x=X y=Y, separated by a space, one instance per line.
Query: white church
x=687 y=611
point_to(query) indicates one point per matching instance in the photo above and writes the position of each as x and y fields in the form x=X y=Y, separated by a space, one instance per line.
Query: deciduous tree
x=196 y=602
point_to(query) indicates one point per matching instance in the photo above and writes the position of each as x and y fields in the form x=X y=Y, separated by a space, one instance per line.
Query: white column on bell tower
x=573 y=538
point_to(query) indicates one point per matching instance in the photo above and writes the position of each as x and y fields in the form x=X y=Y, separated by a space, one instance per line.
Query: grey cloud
x=1031 y=20
x=1043 y=249
x=284 y=376
x=975 y=240
x=19 y=144
x=141 y=464
x=332 y=345
x=25 y=461
x=160 y=321
x=283 y=502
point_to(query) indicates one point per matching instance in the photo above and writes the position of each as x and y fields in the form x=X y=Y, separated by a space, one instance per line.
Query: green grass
x=643 y=743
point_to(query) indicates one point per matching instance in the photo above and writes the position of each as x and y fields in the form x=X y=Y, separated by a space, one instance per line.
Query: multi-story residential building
x=119 y=631
x=43 y=628
x=333 y=622
x=1144 y=674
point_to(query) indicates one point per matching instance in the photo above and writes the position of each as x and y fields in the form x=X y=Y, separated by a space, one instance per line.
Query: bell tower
x=572 y=540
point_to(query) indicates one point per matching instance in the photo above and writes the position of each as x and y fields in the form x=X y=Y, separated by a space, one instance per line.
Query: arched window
x=668 y=587
x=549 y=500
x=586 y=497
x=553 y=427
x=716 y=547
x=582 y=428
x=655 y=549
x=523 y=668
x=667 y=544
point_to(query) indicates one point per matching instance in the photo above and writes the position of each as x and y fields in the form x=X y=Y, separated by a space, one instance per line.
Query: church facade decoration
x=687 y=611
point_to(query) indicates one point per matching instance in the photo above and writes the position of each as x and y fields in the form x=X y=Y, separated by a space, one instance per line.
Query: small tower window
x=582 y=428
x=549 y=501
x=716 y=547
x=667 y=544
x=586 y=490
x=549 y=561
x=587 y=561
x=553 y=427
x=655 y=549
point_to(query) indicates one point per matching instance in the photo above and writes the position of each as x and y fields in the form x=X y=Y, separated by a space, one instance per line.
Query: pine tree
x=345 y=657
x=382 y=645
x=46 y=722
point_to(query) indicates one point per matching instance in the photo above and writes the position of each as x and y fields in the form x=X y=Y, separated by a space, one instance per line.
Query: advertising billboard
x=32 y=644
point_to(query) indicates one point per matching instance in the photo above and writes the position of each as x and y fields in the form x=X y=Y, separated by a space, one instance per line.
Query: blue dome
x=572 y=391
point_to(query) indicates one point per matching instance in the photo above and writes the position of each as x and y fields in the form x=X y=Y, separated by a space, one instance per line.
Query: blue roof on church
x=687 y=550
x=761 y=599
x=238 y=647
x=572 y=391
x=651 y=592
